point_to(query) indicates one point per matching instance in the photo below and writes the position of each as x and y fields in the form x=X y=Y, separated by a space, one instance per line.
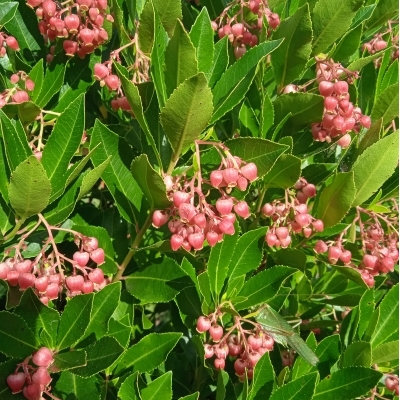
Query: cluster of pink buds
x=244 y=348
x=392 y=383
x=291 y=216
x=48 y=278
x=380 y=253
x=19 y=93
x=340 y=115
x=79 y=24
x=33 y=380
x=242 y=34
x=375 y=44
x=191 y=219
x=7 y=41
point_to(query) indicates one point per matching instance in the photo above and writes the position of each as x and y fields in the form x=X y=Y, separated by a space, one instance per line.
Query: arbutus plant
x=198 y=200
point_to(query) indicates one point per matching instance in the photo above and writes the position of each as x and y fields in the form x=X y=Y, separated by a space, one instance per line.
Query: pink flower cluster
x=19 y=93
x=35 y=379
x=340 y=115
x=48 y=281
x=192 y=220
x=242 y=34
x=7 y=41
x=245 y=348
x=80 y=24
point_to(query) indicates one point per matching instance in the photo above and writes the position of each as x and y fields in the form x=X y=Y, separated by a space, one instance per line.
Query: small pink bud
x=4 y=270
x=214 y=26
x=70 y=47
x=12 y=278
x=180 y=198
x=341 y=87
x=326 y=88
x=90 y=244
x=224 y=206
x=216 y=178
x=216 y=332
x=203 y=324
x=219 y=363
x=200 y=220
x=268 y=209
x=286 y=242
x=318 y=225
x=98 y=256
x=42 y=283
x=52 y=291
x=81 y=258
x=16 y=381
x=309 y=190
x=23 y=266
x=302 y=219
x=12 y=43
x=370 y=261
x=43 y=357
x=212 y=238
x=242 y=209
x=176 y=242
x=26 y=280
x=14 y=79
x=187 y=211
x=334 y=253
x=242 y=183
x=112 y=82
x=41 y=376
x=86 y=36
x=273 y=20
x=249 y=171
x=255 y=342
x=208 y=350
x=380 y=45
x=344 y=141
x=270 y=239
x=100 y=71
x=74 y=282
x=226 y=227
x=237 y=29
x=330 y=103
x=97 y=276
x=387 y=264
x=365 y=121
x=345 y=257
x=240 y=366
x=159 y=218
x=29 y=85
x=49 y=7
x=20 y=97
x=72 y=22
x=231 y=176
x=282 y=232
x=196 y=240
x=32 y=391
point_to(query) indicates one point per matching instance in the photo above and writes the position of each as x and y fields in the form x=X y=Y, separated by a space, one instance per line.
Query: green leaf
x=388 y=321
x=371 y=137
x=63 y=144
x=267 y=116
x=222 y=381
x=366 y=309
x=74 y=320
x=15 y=142
x=202 y=37
x=248 y=118
x=331 y=19
x=247 y=253
x=349 y=44
x=119 y=331
x=193 y=396
x=384 y=11
x=100 y=355
x=305 y=108
x=105 y=303
x=284 y=173
x=357 y=354
x=187 y=113
x=16 y=338
x=351 y=273
x=29 y=189
x=77 y=388
x=69 y=360
x=336 y=199
x=180 y=59
x=146 y=28
x=316 y=173
x=362 y=15
x=263 y=379
x=361 y=62
x=37 y=76
x=169 y=11
x=234 y=83
x=387 y=105
x=218 y=263
x=150 y=182
x=91 y=177
x=220 y=61
x=157 y=62
x=7 y=12
x=385 y=352
x=302 y=387
x=159 y=389
x=262 y=287
x=290 y=59
x=149 y=353
x=205 y=288
x=261 y=152
x=374 y=166
x=38 y=316
x=158 y=283
x=347 y=383
x=117 y=176
x=129 y=389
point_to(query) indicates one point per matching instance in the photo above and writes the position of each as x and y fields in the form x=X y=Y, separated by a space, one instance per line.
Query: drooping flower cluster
x=242 y=33
x=7 y=41
x=191 y=219
x=52 y=272
x=392 y=383
x=379 y=249
x=340 y=115
x=244 y=348
x=19 y=93
x=33 y=380
x=79 y=24
x=291 y=216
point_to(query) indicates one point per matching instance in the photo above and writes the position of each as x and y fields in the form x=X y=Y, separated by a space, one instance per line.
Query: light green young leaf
x=387 y=105
x=385 y=352
x=357 y=354
x=159 y=389
x=301 y=388
x=169 y=11
x=220 y=61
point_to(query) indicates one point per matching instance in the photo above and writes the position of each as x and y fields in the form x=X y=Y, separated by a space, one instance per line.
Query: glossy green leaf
x=284 y=173
x=291 y=57
x=16 y=338
x=99 y=356
x=366 y=309
x=117 y=176
x=218 y=264
x=29 y=189
x=263 y=379
x=180 y=59
x=202 y=37
x=347 y=383
x=362 y=15
x=262 y=287
x=357 y=354
x=371 y=136
x=15 y=142
x=150 y=182
x=350 y=273
x=146 y=28
x=38 y=316
x=248 y=118
x=63 y=144
x=385 y=352
x=388 y=321
x=374 y=166
x=302 y=387
x=234 y=83
x=261 y=152
x=193 y=396
x=169 y=11
x=7 y=12
x=336 y=199
x=158 y=282
x=74 y=320
x=149 y=353
x=220 y=61
x=384 y=11
x=267 y=116
x=159 y=389
x=349 y=44
x=77 y=388
x=69 y=360
x=187 y=113
x=91 y=177
x=387 y=105
x=331 y=19
x=119 y=331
